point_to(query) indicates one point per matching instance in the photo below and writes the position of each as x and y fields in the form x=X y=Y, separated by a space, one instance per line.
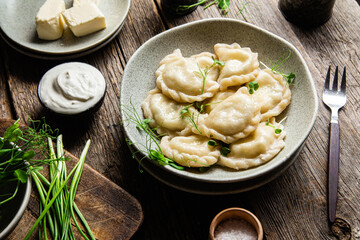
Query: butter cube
x=84 y=19
x=80 y=2
x=49 y=21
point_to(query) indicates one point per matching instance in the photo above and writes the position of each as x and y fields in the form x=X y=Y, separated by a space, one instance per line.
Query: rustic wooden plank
x=109 y=153
x=110 y=211
x=5 y=106
x=295 y=212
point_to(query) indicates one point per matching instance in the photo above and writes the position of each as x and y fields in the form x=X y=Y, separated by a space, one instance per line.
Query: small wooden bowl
x=237 y=213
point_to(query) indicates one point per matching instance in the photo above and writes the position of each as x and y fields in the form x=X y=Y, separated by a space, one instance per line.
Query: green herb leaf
x=28 y=155
x=131 y=115
x=225 y=151
x=290 y=78
x=190 y=117
x=224 y=5
x=212 y=143
x=21 y=175
x=253 y=86
x=183 y=8
x=278 y=130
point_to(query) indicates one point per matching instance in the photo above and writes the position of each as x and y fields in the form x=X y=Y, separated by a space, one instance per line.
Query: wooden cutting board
x=110 y=211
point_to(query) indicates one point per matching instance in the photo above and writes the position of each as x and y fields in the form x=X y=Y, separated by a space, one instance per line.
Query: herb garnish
x=222 y=4
x=277 y=130
x=225 y=151
x=188 y=116
x=155 y=154
x=212 y=143
x=184 y=8
x=204 y=72
x=17 y=151
x=290 y=78
x=253 y=86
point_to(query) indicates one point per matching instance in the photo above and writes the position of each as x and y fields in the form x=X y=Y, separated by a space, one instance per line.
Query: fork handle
x=333 y=177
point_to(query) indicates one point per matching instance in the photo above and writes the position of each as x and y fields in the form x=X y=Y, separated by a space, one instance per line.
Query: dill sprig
x=151 y=146
x=204 y=72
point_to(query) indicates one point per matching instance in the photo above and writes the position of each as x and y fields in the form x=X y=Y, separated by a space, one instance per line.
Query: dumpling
x=258 y=148
x=241 y=65
x=216 y=99
x=178 y=78
x=273 y=94
x=190 y=151
x=165 y=114
x=234 y=118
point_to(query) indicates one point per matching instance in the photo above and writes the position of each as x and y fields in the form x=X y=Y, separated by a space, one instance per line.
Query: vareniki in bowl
x=199 y=37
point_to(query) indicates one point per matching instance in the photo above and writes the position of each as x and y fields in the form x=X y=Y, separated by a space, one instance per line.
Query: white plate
x=44 y=56
x=17 y=21
x=196 y=37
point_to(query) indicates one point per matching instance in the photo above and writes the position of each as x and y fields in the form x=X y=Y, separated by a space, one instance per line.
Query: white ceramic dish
x=44 y=56
x=195 y=37
x=17 y=21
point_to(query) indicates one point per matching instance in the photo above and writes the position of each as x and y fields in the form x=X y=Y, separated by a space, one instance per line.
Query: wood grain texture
x=5 y=105
x=110 y=211
x=292 y=206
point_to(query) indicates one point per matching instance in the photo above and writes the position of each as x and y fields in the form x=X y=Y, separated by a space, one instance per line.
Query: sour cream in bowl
x=72 y=88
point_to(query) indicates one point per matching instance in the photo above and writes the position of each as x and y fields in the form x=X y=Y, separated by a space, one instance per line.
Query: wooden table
x=291 y=207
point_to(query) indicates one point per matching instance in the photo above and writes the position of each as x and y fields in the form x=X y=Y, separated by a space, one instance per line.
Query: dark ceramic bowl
x=12 y=211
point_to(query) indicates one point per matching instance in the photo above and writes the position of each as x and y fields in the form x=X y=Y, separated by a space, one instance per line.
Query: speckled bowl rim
x=264 y=170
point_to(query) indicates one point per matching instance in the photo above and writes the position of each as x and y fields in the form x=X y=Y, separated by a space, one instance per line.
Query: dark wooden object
x=294 y=206
x=111 y=212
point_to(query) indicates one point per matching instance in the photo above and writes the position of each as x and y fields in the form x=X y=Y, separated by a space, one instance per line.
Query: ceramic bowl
x=50 y=76
x=13 y=210
x=17 y=22
x=199 y=36
x=236 y=213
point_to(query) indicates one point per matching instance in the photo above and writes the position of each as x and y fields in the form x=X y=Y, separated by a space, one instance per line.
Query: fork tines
x=335 y=81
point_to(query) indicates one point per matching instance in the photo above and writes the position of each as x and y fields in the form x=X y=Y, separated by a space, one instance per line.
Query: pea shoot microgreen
x=277 y=130
x=225 y=151
x=184 y=8
x=204 y=72
x=222 y=4
x=243 y=9
x=290 y=78
x=153 y=152
x=212 y=143
x=190 y=117
x=253 y=86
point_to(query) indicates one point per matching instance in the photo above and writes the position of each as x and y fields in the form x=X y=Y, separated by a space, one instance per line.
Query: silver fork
x=335 y=99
